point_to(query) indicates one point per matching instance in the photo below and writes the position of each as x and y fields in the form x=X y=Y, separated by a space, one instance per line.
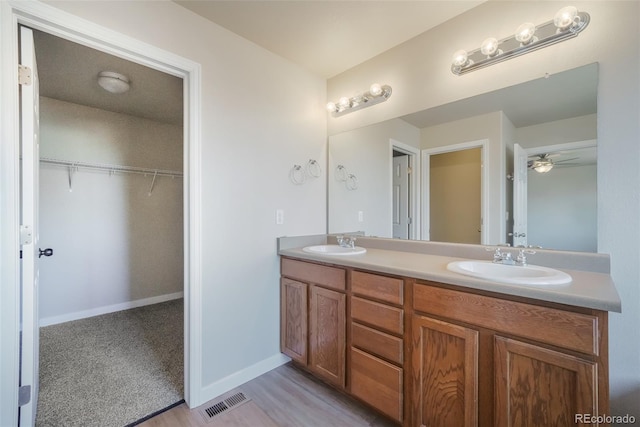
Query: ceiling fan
x=543 y=163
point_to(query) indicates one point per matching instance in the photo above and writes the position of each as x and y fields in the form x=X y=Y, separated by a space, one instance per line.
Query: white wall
x=562 y=208
x=419 y=73
x=571 y=191
x=581 y=128
x=113 y=243
x=365 y=153
x=261 y=115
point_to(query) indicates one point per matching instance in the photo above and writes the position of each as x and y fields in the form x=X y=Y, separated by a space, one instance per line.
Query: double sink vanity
x=438 y=334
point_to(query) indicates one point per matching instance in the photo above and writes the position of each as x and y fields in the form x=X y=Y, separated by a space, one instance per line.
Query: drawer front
x=379 y=315
x=330 y=277
x=382 y=288
x=377 y=343
x=377 y=382
x=574 y=331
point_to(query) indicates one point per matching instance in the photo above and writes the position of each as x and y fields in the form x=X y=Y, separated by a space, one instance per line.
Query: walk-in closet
x=111 y=211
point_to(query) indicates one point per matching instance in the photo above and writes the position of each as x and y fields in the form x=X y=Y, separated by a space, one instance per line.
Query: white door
x=401 y=197
x=520 y=171
x=29 y=106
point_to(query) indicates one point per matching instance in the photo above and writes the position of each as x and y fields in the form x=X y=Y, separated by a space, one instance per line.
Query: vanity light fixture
x=567 y=23
x=376 y=94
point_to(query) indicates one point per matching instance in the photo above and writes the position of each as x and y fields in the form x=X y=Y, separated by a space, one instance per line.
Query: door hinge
x=24 y=395
x=410 y=221
x=24 y=75
x=26 y=235
x=409 y=170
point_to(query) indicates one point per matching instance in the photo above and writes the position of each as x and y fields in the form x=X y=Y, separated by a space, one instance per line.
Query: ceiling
x=331 y=36
x=69 y=72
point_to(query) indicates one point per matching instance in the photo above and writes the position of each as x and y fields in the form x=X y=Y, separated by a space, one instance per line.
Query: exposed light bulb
x=565 y=17
x=344 y=102
x=460 y=58
x=331 y=107
x=525 y=33
x=489 y=46
x=375 y=89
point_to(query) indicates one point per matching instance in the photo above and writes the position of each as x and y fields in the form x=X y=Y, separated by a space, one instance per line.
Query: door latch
x=45 y=252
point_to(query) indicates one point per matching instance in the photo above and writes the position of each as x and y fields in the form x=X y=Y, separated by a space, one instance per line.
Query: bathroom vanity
x=426 y=346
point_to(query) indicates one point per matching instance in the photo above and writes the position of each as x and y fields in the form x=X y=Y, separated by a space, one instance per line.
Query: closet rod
x=111 y=168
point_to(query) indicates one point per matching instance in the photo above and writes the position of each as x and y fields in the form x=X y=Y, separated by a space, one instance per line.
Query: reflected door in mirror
x=400 y=197
x=455 y=196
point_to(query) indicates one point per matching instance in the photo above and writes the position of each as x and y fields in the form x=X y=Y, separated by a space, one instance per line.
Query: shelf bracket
x=153 y=182
x=72 y=169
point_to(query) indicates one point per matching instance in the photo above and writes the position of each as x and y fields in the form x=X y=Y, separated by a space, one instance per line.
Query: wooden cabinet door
x=293 y=319
x=536 y=386
x=445 y=374
x=327 y=328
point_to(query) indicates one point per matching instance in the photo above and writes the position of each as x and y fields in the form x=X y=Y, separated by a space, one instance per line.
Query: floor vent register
x=224 y=406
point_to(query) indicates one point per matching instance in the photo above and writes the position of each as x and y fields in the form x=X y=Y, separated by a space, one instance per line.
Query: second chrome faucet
x=501 y=256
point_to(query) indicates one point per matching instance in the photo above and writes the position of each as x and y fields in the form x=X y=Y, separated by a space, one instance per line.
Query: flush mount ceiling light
x=567 y=23
x=375 y=95
x=113 y=82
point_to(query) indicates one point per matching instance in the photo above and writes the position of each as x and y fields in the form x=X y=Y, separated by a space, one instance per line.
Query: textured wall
x=113 y=243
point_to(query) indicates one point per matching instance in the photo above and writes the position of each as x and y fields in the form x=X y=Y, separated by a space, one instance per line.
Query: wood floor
x=283 y=397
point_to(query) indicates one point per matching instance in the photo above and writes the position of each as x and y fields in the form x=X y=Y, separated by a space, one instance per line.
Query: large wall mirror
x=516 y=166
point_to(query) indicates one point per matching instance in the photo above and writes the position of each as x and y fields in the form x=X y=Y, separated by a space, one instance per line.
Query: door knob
x=45 y=252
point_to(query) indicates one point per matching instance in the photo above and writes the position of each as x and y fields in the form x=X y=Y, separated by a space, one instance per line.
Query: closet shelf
x=111 y=168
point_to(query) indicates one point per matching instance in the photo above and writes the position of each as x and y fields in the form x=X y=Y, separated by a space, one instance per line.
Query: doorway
x=48 y=19
x=455 y=188
x=110 y=165
x=405 y=191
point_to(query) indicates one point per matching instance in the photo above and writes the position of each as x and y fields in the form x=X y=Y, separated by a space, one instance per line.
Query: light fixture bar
x=563 y=27
x=375 y=95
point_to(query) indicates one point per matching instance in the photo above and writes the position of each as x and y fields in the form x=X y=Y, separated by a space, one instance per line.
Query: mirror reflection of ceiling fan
x=543 y=163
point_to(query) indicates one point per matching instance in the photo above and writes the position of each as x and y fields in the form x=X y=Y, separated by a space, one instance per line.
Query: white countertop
x=587 y=289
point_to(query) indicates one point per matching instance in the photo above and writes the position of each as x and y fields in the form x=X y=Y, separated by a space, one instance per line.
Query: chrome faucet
x=500 y=256
x=522 y=256
x=346 y=242
x=503 y=257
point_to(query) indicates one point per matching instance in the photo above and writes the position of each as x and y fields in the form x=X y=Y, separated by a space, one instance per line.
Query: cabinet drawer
x=376 y=342
x=330 y=277
x=574 y=331
x=376 y=314
x=382 y=288
x=377 y=382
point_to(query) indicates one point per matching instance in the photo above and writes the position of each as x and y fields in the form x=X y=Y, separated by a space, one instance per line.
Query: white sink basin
x=511 y=274
x=334 y=250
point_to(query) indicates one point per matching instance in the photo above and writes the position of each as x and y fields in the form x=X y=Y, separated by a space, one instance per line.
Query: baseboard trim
x=54 y=320
x=236 y=379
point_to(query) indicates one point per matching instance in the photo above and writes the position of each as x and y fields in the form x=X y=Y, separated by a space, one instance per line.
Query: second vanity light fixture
x=567 y=23
x=375 y=95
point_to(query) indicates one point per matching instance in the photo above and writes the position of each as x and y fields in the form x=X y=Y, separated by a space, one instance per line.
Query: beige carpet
x=111 y=370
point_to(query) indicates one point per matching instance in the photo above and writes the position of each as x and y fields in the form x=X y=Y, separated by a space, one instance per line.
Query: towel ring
x=351 y=182
x=297 y=175
x=313 y=169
